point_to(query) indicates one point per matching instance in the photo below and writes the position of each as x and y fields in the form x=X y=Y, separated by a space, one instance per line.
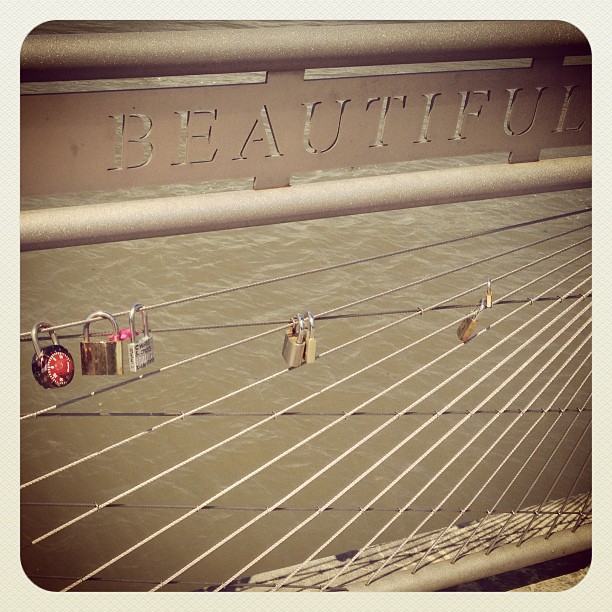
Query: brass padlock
x=101 y=357
x=468 y=325
x=295 y=342
x=311 y=343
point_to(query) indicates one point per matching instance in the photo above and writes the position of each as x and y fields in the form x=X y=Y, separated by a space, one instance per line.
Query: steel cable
x=525 y=495
x=581 y=514
x=245 y=340
x=26 y=335
x=567 y=498
x=210 y=449
x=183 y=415
x=394 y=518
x=483 y=486
x=493 y=508
x=199 y=558
x=219 y=444
x=226 y=508
x=546 y=464
x=265 y=379
x=430 y=449
x=336 y=317
x=207 y=502
x=503 y=462
x=297 y=413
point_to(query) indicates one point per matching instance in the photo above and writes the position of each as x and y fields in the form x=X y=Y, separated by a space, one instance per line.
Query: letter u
x=513 y=93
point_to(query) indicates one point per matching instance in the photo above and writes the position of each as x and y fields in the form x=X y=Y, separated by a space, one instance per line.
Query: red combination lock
x=52 y=365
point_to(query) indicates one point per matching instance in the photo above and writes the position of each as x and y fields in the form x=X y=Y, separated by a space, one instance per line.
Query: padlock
x=295 y=342
x=101 y=357
x=52 y=366
x=468 y=325
x=140 y=352
x=489 y=296
x=311 y=343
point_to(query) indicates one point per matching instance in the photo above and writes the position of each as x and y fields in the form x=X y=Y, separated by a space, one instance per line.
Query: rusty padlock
x=468 y=325
x=102 y=357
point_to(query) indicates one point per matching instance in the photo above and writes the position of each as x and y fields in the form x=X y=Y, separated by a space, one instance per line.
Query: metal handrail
x=116 y=221
x=475 y=566
x=58 y=57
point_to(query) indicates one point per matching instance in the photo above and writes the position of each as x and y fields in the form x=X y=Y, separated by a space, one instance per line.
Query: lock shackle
x=104 y=315
x=35 y=331
x=302 y=331
x=489 y=294
x=479 y=308
x=145 y=320
x=312 y=325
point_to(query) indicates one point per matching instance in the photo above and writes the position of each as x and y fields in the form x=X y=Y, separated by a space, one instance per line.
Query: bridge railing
x=317 y=99
x=287 y=124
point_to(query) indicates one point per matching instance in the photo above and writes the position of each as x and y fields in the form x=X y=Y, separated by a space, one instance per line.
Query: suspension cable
x=184 y=516
x=427 y=485
x=158 y=371
x=314 y=515
x=445 y=273
x=424 y=455
x=377 y=257
x=200 y=557
x=235 y=436
x=541 y=471
x=510 y=484
x=335 y=317
x=324 y=316
x=232 y=508
x=183 y=415
x=209 y=449
x=388 y=559
x=421 y=311
x=27 y=335
x=239 y=342
x=232 y=437
x=560 y=472
x=295 y=413
x=571 y=491
x=507 y=456
x=581 y=513
x=226 y=440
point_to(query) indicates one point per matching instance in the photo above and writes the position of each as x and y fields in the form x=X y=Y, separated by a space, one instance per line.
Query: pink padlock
x=124 y=334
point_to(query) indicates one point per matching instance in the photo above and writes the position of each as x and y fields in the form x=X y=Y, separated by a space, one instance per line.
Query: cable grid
x=434 y=467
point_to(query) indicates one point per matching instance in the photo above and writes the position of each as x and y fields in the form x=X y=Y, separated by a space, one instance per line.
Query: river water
x=93 y=413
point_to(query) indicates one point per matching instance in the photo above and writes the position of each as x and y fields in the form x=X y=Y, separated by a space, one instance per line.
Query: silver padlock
x=468 y=325
x=140 y=352
x=311 y=343
x=295 y=342
x=103 y=357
